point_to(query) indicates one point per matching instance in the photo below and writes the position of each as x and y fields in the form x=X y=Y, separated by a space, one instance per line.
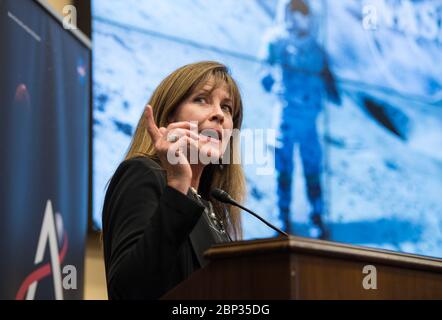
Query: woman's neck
x=197 y=171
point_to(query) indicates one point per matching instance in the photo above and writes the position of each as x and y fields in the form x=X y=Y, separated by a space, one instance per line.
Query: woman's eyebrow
x=209 y=90
x=202 y=91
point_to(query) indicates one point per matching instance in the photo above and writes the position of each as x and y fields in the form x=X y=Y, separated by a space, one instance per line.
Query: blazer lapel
x=202 y=239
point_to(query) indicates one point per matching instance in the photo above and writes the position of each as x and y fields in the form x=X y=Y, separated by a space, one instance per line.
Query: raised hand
x=170 y=144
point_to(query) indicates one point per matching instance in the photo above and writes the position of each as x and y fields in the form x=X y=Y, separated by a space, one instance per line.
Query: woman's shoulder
x=141 y=162
x=139 y=167
x=133 y=174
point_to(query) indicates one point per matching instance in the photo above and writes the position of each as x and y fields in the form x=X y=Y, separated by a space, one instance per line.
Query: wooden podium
x=301 y=268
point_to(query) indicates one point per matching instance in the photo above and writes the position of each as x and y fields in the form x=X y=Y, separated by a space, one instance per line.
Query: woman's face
x=213 y=112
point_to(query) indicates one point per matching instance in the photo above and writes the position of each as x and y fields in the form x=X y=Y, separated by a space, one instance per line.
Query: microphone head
x=221 y=195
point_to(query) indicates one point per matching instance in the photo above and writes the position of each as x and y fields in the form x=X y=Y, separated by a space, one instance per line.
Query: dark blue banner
x=44 y=162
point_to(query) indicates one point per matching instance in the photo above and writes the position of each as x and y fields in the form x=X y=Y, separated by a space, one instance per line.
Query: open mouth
x=212 y=133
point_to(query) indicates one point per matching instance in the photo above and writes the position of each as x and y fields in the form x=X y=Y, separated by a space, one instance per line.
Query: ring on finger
x=172 y=138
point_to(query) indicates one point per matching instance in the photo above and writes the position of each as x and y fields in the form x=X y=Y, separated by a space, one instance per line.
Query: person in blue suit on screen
x=293 y=54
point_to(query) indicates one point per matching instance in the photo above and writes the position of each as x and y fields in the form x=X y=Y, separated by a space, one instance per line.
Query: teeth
x=211 y=133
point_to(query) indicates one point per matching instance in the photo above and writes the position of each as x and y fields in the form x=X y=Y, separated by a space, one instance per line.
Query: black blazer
x=154 y=236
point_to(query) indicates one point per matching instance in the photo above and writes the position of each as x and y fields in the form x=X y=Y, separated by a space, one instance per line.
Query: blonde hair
x=171 y=92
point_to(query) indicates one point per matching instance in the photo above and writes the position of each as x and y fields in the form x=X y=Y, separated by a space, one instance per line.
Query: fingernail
x=146 y=109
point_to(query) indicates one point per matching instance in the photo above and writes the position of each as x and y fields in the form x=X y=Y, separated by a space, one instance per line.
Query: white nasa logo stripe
x=48 y=234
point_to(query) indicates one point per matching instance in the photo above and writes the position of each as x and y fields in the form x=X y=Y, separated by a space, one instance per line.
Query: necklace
x=211 y=213
x=195 y=192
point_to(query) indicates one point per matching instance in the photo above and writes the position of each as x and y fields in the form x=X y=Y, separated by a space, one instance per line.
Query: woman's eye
x=200 y=99
x=228 y=108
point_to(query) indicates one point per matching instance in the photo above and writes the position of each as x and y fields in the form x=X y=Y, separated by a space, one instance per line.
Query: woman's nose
x=217 y=114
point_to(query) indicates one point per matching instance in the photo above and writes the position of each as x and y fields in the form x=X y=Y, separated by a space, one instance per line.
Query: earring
x=221 y=166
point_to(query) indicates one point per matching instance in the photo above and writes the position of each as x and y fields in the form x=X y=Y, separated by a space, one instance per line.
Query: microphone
x=224 y=197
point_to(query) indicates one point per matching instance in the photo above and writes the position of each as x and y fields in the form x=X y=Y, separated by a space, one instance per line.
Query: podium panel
x=301 y=268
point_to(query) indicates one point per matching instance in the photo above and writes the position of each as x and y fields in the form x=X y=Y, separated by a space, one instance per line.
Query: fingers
x=186 y=141
x=180 y=128
x=188 y=150
x=190 y=125
x=163 y=131
x=184 y=132
x=151 y=127
x=177 y=152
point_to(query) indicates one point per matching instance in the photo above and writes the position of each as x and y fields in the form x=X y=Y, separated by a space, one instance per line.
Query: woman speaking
x=158 y=215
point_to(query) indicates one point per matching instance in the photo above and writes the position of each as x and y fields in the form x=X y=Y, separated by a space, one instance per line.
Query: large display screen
x=352 y=91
